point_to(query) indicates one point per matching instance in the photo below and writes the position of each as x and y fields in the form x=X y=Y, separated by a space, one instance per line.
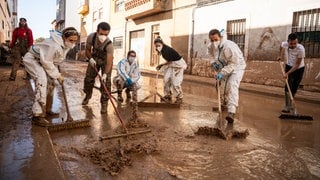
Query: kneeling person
x=128 y=75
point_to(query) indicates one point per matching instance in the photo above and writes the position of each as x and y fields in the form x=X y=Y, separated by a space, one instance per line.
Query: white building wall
x=72 y=18
x=259 y=14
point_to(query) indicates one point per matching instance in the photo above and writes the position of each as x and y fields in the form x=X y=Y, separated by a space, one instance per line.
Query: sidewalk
x=26 y=150
x=302 y=95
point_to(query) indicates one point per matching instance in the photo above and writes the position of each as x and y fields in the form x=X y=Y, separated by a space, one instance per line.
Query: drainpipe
x=125 y=38
x=192 y=39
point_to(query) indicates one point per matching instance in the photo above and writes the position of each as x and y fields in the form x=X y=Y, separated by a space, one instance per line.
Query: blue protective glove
x=219 y=76
x=129 y=82
x=215 y=66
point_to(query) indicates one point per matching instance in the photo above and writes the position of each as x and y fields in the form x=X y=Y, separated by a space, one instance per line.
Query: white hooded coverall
x=41 y=63
x=233 y=67
x=125 y=71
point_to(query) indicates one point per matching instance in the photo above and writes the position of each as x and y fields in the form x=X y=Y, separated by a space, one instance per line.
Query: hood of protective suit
x=57 y=37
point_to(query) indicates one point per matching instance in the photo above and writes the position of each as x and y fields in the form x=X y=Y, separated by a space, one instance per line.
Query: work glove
x=129 y=82
x=215 y=66
x=219 y=76
x=159 y=67
x=92 y=62
x=104 y=78
x=60 y=79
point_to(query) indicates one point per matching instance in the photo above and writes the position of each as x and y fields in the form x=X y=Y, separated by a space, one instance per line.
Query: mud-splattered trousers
x=43 y=84
x=91 y=75
x=17 y=52
x=173 y=77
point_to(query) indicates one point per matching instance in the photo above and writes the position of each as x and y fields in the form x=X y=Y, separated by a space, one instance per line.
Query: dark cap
x=23 y=19
x=158 y=40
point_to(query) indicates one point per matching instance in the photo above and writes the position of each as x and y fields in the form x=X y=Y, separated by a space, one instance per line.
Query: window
x=119 y=5
x=117 y=42
x=95 y=15
x=236 y=32
x=100 y=13
x=307 y=26
x=83 y=45
x=2 y=24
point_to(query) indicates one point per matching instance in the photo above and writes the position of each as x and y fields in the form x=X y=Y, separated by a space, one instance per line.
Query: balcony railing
x=140 y=8
x=83 y=9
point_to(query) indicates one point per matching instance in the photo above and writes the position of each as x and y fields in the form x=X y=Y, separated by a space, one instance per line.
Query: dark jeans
x=294 y=79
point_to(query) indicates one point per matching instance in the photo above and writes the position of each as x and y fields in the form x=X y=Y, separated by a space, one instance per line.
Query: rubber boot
x=87 y=98
x=120 y=99
x=40 y=121
x=178 y=100
x=128 y=94
x=230 y=117
x=104 y=108
x=166 y=99
x=49 y=112
x=288 y=105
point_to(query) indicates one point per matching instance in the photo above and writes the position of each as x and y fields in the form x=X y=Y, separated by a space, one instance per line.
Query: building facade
x=91 y=13
x=257 y=26
x=136 y=23
x=8 y=19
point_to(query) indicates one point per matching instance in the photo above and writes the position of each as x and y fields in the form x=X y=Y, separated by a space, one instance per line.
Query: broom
x=295 y=115
x=127 y=133
x=70 y=123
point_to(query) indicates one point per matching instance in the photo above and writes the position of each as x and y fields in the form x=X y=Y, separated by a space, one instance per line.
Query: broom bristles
x=296 y=117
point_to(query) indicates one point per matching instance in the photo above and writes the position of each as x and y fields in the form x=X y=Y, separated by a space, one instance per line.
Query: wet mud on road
x=274 y=149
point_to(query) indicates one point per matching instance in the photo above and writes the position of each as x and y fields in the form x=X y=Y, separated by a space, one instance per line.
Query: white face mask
x=69 y=44
x=216 y=44
x=159 y=48
x=131 y=59
x=102 y=38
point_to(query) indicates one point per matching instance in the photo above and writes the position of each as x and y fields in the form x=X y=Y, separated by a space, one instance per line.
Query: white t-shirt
x=293 y=54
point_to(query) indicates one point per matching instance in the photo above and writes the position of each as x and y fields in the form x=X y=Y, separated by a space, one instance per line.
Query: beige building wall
x=91 y=13
x=5 y=21
x=173 y=21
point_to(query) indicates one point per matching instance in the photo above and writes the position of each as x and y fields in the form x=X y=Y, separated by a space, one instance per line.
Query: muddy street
x=275 y=149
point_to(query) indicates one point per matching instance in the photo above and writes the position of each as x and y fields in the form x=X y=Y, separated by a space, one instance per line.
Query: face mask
x=102 y=38
x=216 y=44
x=68 y=44
x=159 y=48
x=131 y=59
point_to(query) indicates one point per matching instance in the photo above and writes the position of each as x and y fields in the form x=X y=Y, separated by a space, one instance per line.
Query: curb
x=302 y=95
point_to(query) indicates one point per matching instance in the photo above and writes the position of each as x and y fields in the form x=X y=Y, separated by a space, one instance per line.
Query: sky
x=39 y=15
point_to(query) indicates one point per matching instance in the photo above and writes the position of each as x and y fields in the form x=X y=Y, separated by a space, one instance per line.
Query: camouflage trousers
x=89 y=80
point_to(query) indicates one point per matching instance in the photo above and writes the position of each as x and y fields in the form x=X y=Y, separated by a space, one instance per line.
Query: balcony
x=83 y=9
x=136 y=9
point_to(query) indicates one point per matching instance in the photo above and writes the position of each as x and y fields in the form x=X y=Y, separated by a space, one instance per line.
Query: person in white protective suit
x=41 y=63
x=230 y=65
x=128 y=74
x=173 y=71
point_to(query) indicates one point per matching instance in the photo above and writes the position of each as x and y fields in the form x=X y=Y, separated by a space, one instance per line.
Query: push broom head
x=296 y=117
x=69 y=125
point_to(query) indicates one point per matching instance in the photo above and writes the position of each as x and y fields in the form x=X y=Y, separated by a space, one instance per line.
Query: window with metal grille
x=236 y=32
x=307 y=26
x=117 y=42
